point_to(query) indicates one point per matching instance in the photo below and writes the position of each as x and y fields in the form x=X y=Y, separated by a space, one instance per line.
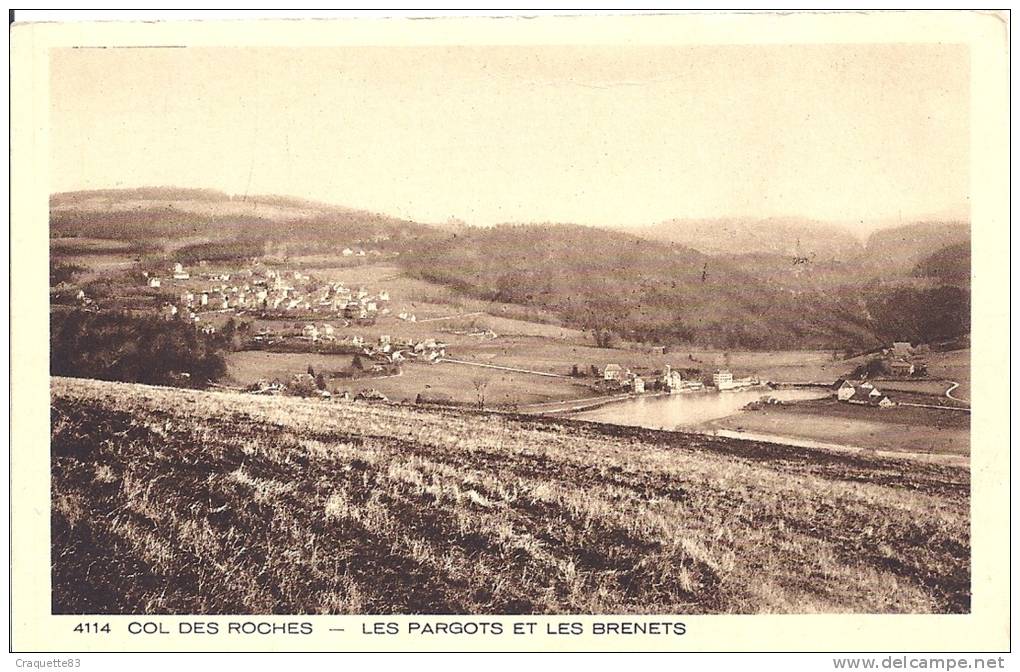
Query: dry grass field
x=174 y=501
x=902 y=428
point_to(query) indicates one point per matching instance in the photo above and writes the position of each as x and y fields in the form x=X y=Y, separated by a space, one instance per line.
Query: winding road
x=949 y=393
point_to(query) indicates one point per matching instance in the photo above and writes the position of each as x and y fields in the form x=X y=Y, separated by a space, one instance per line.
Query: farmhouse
x=844 y=389
x=901 y=367
x=864 y=394
x=154 y=282
x=612 y=372
x=637 y=384
x=902 y=349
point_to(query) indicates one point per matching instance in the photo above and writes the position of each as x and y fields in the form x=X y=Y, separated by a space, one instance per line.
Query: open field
x=464 y=384
x=953 y=365
x=901 y=428
x=245 y=368
x=196 y=502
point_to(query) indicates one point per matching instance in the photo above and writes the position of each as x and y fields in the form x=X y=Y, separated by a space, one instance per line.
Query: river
x=687 y=409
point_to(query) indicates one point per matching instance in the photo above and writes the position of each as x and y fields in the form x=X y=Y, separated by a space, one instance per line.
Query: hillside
x=203 y=503
x=650 y=291
x=950 y=265
x=789 y=237
x=610 y=282
x=900 y=249
x=173 y=217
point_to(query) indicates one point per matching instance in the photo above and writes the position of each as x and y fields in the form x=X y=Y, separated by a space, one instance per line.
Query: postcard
x=675 y=331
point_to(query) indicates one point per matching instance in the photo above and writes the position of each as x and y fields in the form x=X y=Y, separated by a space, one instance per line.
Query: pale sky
x=593 y=135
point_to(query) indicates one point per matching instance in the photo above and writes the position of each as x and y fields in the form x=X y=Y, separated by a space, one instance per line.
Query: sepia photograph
x=382 y=333
x=510 y=329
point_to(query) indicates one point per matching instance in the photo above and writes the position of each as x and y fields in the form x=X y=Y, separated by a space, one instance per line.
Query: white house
x=154 y=282
x=844 y=390
x=723 y=379
x=612 y=372
x=672 y=380
x=179 y=272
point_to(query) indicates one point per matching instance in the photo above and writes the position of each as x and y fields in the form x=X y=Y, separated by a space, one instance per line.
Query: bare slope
x=194 y=502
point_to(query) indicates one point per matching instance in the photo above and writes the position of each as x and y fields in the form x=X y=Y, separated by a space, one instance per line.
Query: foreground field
x=194 y=502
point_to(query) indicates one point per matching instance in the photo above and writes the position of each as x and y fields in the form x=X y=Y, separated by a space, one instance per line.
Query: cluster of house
x=271 y=290
x=348 y=252
x=903 y=359
x=399 y=350
x=667 y=380
x=861 y=392
x=670 y=380
x=186 y=313
x=178 y=272
x=304 y=384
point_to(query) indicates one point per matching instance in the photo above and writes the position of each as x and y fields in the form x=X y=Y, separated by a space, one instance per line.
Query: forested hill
x=658 y=292
x=169 y=216
x=950 y=265
x=640 y=289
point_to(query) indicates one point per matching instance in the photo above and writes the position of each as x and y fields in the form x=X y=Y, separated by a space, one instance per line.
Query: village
x=364 y=332
x=271 y=309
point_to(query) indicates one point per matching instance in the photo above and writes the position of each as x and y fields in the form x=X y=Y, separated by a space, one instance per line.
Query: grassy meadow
x=170 y=501
x=901 y=428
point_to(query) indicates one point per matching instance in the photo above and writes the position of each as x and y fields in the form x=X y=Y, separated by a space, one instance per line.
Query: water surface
x=691 y=408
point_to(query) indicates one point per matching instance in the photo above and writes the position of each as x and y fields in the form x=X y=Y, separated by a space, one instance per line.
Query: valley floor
x=901 y=428
x=198 y=502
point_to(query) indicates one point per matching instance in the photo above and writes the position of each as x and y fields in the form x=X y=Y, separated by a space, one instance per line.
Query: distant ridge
x=784 y=236
x=171 y=214
x=904 y=246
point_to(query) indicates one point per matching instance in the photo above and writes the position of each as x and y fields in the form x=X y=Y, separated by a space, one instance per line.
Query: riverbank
x=921 y=431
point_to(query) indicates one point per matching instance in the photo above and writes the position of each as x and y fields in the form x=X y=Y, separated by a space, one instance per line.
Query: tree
x=311 y=371
x=874 y=368
x=603 y=336
x=480 y=385
x=320 y=381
